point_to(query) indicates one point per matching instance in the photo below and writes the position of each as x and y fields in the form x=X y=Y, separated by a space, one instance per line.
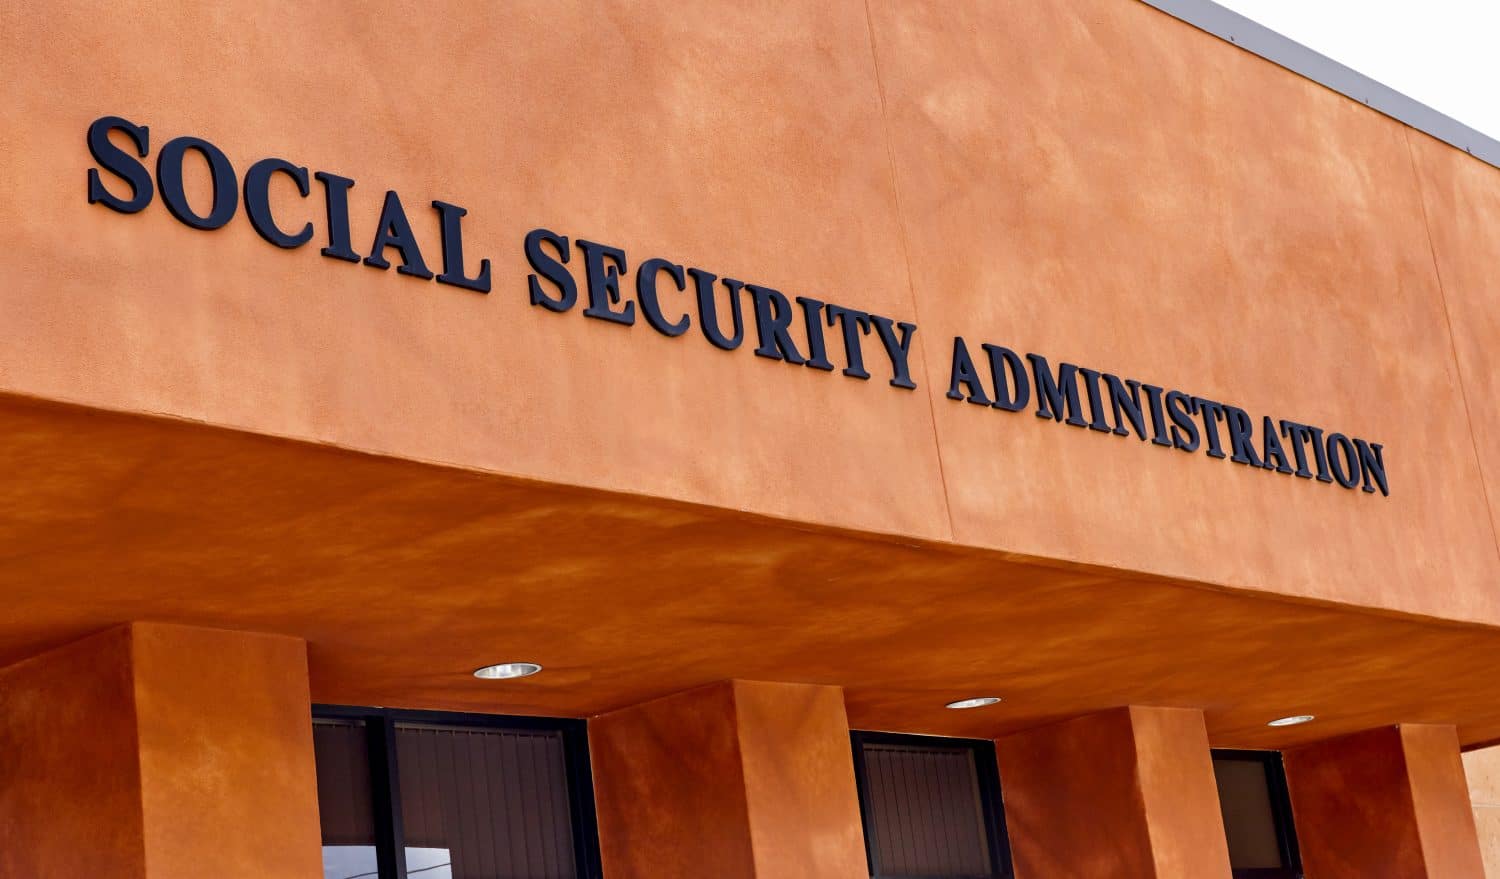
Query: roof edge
x=1258 y=39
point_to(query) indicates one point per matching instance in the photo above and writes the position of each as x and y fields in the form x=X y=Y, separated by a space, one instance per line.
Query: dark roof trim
x=1261 y=40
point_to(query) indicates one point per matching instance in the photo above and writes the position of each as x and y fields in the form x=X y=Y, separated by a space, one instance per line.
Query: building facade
x=773 y=376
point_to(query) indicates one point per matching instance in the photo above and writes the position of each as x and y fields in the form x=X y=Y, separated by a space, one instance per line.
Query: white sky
x=1443 y=53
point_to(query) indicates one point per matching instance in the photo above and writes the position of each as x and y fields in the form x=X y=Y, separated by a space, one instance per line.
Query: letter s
x=121 y=163
x=1179 y=406
x=551 y=269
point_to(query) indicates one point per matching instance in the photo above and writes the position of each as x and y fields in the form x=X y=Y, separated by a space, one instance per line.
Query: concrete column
x=1390 y=802
x=737 y=780
x=1123 y=794
x=159 y=752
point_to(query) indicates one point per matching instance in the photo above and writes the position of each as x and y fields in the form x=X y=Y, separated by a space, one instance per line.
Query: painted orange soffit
x=404 y=577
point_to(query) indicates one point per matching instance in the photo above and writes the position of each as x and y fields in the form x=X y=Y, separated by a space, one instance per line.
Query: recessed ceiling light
x=1294 y=720
x=507 y=670
x=976 y=702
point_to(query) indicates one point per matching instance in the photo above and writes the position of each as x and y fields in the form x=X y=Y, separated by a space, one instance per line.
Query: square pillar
x=736 y=780
x=1390 y=802
x=1123 y=794
x=159 y=752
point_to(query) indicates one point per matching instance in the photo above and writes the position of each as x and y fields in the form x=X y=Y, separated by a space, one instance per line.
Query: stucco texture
x=1384 y=802
x=1094 y=181
x=766 y=793
x=1121 y=794
x=155 y=751
x=403 y=578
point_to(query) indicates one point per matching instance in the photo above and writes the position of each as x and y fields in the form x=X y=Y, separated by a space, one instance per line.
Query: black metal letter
x=1054 y=396
x=453 y=252
x=604 y=282
x=851 y=324
x=553 y=270
x=169 y=179
x=394 y=230
x=812 y=319
x=1241 y=431
x=773 y=314
x=1180 y=408
x=1348 y=476
x=899 y=350
x=121 y=163
x=1213 y=413
x=1003 y=360
x=645 y=291
x=1096 y=405
x=708 y=317
x=1158 y=416
x=1319 y=455
x=1271 y=445
x=964 y=373
x=1126 y=404
x=1372 y=462
x=1297 y=435
x=336 y=197
x=258 y=201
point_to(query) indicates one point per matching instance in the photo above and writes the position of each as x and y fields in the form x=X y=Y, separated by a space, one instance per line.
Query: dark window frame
x=991 y=801
x=1281 y=814
x=385 y=787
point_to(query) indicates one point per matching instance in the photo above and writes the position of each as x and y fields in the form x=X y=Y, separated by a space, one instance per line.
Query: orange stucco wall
x=226 y=757
x=70 y=802
x=1384 y=802
x=1094 y=181
x=1118 y=794
x=1091 y=181
x=663 y=813
x=403 y=578
x=799 y=781
x=740 y=779
x=159 y=752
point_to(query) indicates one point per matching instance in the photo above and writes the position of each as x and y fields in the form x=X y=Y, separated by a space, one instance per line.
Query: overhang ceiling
x=403 y=577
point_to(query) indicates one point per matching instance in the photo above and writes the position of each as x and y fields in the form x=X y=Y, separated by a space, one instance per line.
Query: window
x=1257 y=815
x=931 y=807
x=420 y=795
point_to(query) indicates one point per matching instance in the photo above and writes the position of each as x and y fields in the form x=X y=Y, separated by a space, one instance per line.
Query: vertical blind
x=341 y=750
x=345 y=809
x=426 y=795
x=924 y=812
x=486 y=803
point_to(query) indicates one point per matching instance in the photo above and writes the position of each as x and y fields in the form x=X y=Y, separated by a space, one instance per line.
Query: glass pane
x=344 y=807
x=1249 y=821
x=349 y=862
x=925 y=811
x=484 y=803
x=429 y=863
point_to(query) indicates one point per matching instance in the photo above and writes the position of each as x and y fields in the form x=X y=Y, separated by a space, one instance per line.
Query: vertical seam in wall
x=752 y=836
x=1140 y=790
x=133 y=655
x=1411 y=787
x=1458 y=367
x=911 y=287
